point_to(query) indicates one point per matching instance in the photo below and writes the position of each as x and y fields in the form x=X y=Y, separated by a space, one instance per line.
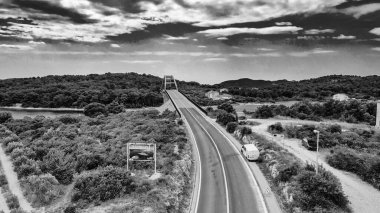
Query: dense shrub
x=288 y=172
x=276 y=128
x=115 y=108
x=12 y=201
x=366 y=166
x=60 y=165
x=225 y=118
x=227 y=107
x=5 y=116
x=103 y=185
x=231 y=127
x=3 y=180
x=68 y=119
x=41 y=190
x=245 y=130
x=95 y=109
x=319 y=190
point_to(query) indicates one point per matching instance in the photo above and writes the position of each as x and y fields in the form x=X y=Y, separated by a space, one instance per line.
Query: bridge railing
x=193 y=102
x=176 y=108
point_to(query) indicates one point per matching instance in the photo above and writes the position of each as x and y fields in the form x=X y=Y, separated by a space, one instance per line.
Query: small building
x=223 y=90
x=341 y=97
x=212 y=94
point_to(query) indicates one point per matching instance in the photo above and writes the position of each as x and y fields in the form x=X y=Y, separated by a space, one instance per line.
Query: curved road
x=225 y=185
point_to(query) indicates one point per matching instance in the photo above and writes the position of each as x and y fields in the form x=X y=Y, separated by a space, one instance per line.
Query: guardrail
x=176 y=108
x=199 y=107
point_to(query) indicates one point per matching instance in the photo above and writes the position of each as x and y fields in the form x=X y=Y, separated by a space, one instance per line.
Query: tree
x=231 y=127
x=225 y=118
x=264 y=112
x=245 y=131
x=5 y=116
x=319 y=190
x=95 y=109
x=42 y=189
x=115 y=108
x=227 y=107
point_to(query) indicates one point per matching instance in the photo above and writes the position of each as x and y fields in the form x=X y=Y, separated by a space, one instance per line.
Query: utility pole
x=317 y=132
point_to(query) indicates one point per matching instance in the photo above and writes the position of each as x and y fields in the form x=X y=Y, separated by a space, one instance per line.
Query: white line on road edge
x=245 y=163
x=200 y=168
x=220 y=157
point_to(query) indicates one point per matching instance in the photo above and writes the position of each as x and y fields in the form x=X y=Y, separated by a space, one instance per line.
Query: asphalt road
x=226 y=185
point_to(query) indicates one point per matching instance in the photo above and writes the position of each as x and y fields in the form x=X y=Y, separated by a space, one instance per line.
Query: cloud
x=142 y=61
x=344 y=37
x=317 y=31
x=173 y=38
x=223 y=32
x=222 y=38
x=115 y=46
x=361 y=10
x=375 y=31
x=215 y=59
x=14 y=46
x=317 y=51
x=36 y=43
x=283 y=23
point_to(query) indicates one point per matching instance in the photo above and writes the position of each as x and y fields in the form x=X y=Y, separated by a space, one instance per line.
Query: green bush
x=365 y=166
x=41 y=190
x=103 y=185
x=115 y=108
x=225 y=118
x=3 y=180
x=231 y=127
x=227 y=107
x=288 y=172
x=319 y=190
x=276 y=128
x=12 y=201
x=348 y=160
x=95 y=109
x=5 y=116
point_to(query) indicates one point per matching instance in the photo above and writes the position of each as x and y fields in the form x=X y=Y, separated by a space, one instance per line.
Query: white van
x=250 y=152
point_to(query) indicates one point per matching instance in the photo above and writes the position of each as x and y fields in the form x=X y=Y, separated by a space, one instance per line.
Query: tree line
x=129 y=89
x=352 y=111
x=313 y=89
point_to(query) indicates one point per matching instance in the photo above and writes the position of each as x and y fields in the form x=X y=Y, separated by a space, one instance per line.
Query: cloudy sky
x=203 y=40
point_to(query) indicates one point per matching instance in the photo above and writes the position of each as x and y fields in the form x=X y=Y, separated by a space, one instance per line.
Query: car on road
x=250 y=152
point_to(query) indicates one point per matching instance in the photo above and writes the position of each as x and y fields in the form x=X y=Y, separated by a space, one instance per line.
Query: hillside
x=130 y=89
x=322 y=88
x=245 y=83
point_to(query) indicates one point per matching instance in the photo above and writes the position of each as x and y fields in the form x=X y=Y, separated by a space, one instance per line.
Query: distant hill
x=245 y=83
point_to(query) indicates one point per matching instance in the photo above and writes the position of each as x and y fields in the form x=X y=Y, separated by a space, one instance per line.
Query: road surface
x=225 y=184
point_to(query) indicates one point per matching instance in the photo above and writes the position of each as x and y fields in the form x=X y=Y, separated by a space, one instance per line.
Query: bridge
x=226 y=185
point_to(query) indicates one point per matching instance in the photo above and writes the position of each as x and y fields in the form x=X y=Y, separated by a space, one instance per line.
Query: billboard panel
x=141 y=151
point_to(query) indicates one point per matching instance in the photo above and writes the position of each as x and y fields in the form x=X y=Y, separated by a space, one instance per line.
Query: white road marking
x=245 y=163
x=200 y=166
x=220 y=157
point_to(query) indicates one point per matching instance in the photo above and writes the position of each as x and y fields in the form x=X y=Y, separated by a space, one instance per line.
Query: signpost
x=142 y=152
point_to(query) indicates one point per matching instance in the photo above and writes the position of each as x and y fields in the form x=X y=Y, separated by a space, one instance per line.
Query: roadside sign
x=142 y=152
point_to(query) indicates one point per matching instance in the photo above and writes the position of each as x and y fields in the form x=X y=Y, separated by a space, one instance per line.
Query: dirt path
x=3 y=204
x=363 y=196
x=13 y=182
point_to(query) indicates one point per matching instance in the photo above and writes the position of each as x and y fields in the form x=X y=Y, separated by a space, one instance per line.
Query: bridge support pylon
x=170 y=83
